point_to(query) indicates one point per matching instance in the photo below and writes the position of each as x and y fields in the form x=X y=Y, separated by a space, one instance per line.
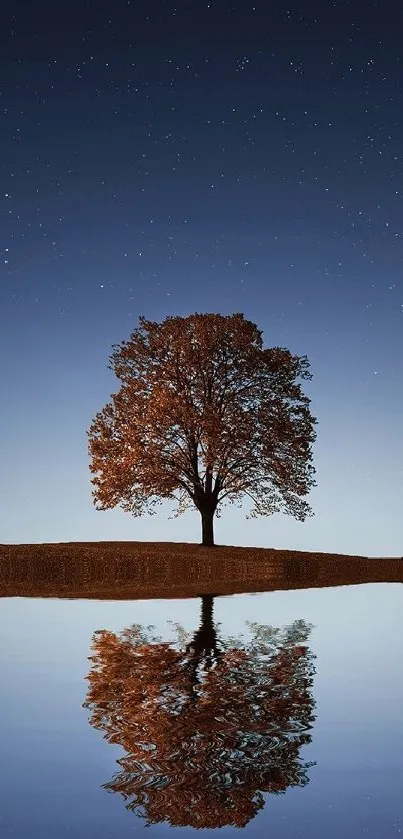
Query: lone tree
x=204 y=414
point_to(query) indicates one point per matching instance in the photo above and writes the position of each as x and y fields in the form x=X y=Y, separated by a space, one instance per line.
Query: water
x=202 y=715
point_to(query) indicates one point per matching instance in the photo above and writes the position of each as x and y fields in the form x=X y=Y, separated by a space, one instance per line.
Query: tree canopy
x=204 y=415
x=207 y=724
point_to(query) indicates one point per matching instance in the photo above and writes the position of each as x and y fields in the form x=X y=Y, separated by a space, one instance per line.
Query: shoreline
x=160 y=570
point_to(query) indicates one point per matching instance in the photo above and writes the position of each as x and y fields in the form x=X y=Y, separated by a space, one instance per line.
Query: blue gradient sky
x=163 y=159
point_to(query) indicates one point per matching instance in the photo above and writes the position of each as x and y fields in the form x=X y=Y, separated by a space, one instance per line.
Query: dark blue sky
x=164 y=158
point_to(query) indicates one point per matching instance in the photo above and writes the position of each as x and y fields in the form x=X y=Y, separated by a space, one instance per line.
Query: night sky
x=165 y=158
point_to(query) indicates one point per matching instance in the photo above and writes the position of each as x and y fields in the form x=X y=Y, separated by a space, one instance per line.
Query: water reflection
x=208 y=723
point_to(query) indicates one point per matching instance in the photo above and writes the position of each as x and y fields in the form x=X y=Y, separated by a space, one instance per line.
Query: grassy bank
x=146 y=570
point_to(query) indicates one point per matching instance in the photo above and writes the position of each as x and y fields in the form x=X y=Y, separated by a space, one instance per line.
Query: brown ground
x=146 y=570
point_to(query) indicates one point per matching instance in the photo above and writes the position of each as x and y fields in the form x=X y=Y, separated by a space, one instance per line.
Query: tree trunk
x=207 y=527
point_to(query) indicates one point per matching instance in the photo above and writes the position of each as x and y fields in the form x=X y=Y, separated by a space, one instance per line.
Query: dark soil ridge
x=159 y=570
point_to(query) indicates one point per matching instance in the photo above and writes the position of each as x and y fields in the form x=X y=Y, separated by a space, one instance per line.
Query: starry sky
x=162 y=158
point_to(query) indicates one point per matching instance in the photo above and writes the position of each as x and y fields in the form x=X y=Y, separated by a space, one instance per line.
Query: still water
x=276 y=714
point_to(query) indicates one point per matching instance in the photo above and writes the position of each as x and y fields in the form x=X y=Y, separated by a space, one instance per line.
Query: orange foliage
x=207 y=728
x=204 y=414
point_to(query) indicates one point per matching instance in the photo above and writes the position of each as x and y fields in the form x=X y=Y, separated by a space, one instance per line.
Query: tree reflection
x=208 y=725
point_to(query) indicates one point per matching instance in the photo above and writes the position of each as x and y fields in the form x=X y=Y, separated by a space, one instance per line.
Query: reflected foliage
x=208 y=725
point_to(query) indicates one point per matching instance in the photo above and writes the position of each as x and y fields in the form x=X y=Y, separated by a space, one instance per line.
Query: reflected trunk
x=204 y=647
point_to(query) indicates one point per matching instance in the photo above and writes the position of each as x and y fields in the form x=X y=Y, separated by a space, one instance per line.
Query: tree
x=204 y=414
x=207 y=726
